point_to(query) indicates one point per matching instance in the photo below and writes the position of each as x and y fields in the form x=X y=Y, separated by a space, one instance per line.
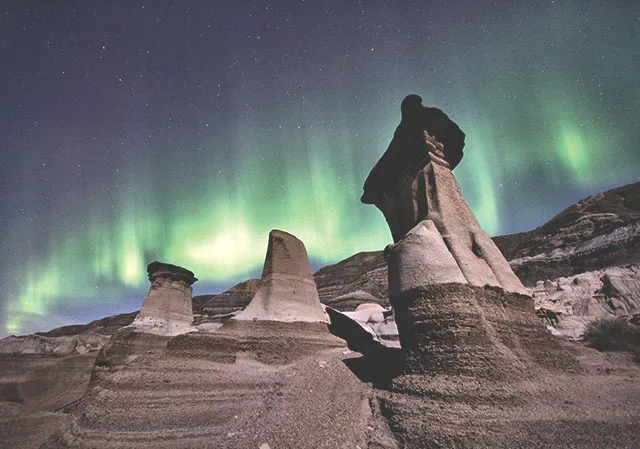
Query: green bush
x=607 y=334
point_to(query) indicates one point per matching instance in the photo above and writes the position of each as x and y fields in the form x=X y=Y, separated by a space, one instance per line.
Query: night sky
x=132 y=131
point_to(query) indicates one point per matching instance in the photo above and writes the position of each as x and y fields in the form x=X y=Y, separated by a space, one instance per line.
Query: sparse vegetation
x=607 y=334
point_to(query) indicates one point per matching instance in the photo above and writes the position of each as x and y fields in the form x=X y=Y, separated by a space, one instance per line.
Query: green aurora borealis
x=131 y=133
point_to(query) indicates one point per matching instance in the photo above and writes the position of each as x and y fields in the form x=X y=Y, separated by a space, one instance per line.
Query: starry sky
x=135 y=130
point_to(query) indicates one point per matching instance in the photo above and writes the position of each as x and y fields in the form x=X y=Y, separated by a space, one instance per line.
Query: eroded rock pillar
x=167 y=309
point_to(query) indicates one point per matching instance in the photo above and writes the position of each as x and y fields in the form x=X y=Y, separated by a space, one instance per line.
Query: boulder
x=167 y=309
x=353 y=300
x=421 y=258
x=378 y=321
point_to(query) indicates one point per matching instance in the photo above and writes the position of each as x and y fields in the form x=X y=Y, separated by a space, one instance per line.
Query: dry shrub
x=607 y=334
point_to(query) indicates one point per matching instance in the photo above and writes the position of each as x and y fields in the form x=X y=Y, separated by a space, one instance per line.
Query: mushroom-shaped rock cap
x=287 y=290
x=410 y=148
x=436 y=123
x=161 y=269
x=411 y=106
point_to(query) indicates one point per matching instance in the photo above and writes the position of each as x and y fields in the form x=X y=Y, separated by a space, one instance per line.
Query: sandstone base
x=552 y=410
x=457 y=329
x=276 y=342
x=483 y=372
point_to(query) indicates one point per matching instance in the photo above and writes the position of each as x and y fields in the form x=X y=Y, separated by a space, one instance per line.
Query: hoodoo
x=167 y=309
x=287 y=290
x=412 y=184
x=284 y=320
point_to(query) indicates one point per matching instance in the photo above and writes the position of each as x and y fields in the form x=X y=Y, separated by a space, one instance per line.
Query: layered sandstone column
x=287 y=290
x=167 y=309
x=285 y=320
x=459 y=307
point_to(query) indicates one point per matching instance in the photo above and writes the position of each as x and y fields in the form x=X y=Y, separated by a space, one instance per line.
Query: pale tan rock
x=59 y=346
x=421 y=258
x=580 y=299
x=167 y=309
x=368 y=313
x=369 y=305
x=287 y=290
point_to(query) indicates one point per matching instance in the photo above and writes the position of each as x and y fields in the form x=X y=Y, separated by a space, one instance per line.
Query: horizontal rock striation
x=184 y=397
x=44 y=383
x=366 y=272
x=233 y=300
x=458 y=329
x=598 y=232
x=482 y=371
x=560 y=410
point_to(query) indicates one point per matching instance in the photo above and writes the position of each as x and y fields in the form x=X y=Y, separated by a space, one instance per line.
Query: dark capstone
x=407 y=147
x=156 y=269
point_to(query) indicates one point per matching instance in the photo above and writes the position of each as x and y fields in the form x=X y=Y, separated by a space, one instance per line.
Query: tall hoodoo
x=412 y=184
x=167 y=309
x=451 y=289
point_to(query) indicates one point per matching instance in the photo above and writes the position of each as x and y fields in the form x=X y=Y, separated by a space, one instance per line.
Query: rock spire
x=287 y=290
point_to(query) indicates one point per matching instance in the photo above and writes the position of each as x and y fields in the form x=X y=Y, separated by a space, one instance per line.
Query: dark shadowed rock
x=407 y=148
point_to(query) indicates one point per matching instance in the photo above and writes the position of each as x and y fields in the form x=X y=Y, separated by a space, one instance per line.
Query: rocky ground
x=169 y=399
x=328 y=399
x=33 y=392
